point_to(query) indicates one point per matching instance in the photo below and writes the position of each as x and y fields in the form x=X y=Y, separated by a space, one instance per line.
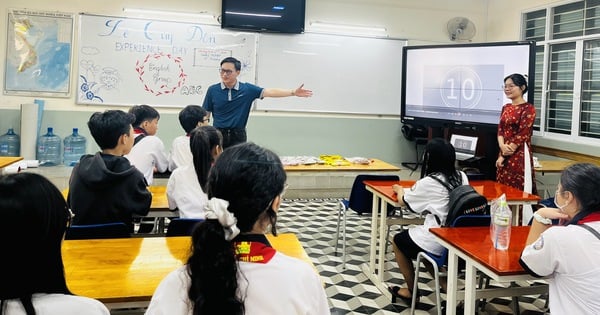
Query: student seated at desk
x=190 y=117
x=33 y=277
x=148 y=153
x=186 y=186
x=105 y=187
x=232 y=268
x=426 y=196
x=569 y=254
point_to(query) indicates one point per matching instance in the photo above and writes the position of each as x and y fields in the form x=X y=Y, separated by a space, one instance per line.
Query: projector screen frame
x=426 y=69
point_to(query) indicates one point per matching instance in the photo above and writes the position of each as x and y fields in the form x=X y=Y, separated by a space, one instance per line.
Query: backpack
x=463 y=200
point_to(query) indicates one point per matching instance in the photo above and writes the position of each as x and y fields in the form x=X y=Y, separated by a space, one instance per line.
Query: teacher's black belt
x=228 y=131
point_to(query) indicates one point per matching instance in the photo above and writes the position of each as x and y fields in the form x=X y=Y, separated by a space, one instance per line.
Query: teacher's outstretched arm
x=299 y=92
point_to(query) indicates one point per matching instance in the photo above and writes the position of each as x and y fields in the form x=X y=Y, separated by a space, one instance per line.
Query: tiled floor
x=349 y=290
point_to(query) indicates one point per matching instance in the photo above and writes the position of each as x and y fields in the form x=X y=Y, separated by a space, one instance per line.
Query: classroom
x=355 y=110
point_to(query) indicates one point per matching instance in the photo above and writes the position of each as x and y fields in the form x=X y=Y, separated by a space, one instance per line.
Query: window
x=590 y=90
x=567 y=69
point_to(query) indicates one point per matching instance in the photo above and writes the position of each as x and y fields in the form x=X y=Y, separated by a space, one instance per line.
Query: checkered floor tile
x=314 y=221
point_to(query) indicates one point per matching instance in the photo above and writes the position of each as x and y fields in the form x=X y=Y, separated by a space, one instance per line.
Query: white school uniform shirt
x=181 y=154
x=147 y=154
x=284 y=285
x=51 y=304
x=570 y=257
x=429 y=195
x=184 y=193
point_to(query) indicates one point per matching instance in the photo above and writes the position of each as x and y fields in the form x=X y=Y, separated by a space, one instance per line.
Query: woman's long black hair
x=35 y=215
x=440 y=157
x=203 y=140
x=249 y=177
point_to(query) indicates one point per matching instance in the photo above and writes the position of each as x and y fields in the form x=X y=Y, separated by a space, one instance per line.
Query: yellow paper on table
x=334 y=160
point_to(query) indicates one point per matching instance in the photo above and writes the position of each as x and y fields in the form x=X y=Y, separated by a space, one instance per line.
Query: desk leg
x=518 y=213
x=161 y=226
x=373 y=250
x=452 y=282
x=470 y=290
x=382 y=240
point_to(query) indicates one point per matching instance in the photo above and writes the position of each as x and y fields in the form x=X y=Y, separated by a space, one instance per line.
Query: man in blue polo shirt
x=231 y=100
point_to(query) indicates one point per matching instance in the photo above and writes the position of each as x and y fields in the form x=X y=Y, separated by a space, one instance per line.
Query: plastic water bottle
x=502 y=220
x=49 y=149
x=75 y=147
x=10 y=144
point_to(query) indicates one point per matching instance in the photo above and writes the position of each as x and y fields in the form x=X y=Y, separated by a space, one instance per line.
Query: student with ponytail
x=232 y=268
x=187 y=183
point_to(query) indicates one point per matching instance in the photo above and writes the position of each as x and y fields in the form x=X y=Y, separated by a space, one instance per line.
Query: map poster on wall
x=129 y=61
x=38 y=53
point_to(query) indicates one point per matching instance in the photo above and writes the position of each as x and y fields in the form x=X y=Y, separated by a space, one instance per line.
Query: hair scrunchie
x=216 y=209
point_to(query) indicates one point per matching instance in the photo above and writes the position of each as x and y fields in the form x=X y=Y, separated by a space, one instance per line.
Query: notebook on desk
x=464 y=146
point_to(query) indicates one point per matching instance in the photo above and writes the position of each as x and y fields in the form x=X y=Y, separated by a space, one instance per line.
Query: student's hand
x=397 y=188
x=300 y=92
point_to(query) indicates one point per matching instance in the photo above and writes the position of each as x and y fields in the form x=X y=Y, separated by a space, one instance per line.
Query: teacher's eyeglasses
x=225 y=71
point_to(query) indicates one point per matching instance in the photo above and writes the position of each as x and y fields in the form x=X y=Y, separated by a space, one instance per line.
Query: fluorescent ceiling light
x=348 y=28
x=202 y=14
x=253 y=14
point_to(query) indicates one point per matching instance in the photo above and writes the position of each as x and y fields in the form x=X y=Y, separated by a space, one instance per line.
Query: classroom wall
x=286 y=133
x=294 y=133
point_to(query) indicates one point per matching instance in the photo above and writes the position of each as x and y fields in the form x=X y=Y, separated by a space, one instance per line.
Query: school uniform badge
x=539 y=244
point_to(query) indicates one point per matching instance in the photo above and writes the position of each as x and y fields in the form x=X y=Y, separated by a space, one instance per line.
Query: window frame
x=542 y=79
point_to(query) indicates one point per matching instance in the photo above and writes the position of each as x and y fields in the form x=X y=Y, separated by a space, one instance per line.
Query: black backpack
x=463 y=199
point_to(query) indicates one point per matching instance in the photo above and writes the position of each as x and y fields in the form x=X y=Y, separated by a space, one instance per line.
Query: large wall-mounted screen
x=462 y=84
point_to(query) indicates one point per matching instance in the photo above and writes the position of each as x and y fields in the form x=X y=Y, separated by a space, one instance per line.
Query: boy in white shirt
x=148 y=153
x=190 y=117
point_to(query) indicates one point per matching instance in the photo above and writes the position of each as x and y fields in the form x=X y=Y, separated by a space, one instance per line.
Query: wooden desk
x=375 y=166
x=553 y=166
x=488 y=188
x=159 y=206
x=473 y=244
x=8 y=160
x=125 y=272
x=383 y=194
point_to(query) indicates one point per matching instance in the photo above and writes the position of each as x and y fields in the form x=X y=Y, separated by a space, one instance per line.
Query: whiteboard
x=346 y=74
x=128 y=61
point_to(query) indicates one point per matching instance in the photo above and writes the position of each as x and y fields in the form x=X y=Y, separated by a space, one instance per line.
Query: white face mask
x=561 y=208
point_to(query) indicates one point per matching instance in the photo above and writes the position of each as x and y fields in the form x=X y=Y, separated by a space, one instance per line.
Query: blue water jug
x=49 y=149
x=10 y=144
x=75 y=147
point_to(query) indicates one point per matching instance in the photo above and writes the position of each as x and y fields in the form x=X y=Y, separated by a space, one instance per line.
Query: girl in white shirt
x=185 y=189
x=232 y=268
x=33 y=278
x=426 y=196
x=567 y=254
